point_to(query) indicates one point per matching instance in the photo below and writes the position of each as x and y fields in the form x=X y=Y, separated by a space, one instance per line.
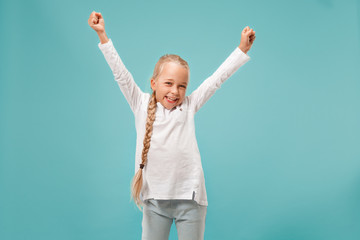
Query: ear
x=153 y=84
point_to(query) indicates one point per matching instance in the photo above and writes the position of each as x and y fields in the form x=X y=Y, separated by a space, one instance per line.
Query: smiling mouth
x=171 y=100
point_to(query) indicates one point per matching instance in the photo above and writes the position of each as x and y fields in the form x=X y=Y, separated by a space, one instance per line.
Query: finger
x=251 y=32
x=252 y=39
x=99 y=15
x=246 y=29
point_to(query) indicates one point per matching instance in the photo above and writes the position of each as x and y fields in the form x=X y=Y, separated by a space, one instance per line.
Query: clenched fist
x=96 y=22
x=247 y=39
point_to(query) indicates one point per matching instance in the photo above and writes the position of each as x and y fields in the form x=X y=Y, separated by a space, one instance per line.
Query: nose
x=174 y=90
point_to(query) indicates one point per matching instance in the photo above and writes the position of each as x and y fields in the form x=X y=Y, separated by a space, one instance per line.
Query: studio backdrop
x=279 y=140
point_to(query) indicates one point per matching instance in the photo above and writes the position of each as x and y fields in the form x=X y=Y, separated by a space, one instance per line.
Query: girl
x=169 y=182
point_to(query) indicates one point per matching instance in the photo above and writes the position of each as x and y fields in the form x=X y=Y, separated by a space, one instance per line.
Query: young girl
x=169 y=182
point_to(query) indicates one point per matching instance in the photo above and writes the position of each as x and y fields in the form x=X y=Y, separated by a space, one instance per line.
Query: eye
x=168 y=83
x=183 y=86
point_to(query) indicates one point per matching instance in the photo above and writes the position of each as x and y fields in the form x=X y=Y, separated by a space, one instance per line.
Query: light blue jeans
x=158 y=216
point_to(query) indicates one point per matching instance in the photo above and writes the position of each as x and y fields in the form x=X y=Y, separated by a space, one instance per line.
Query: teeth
x=173 y=99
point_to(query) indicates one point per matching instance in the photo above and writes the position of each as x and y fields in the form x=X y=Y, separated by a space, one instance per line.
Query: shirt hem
x=156 y=197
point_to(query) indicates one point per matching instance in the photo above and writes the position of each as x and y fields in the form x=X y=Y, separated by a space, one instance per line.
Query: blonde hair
x=137 y=181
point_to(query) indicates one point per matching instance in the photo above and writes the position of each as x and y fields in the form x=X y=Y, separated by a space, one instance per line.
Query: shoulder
x=186 y=103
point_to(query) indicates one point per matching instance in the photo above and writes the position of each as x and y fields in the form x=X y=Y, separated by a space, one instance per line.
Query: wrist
x=103 y=37
x=243 y=49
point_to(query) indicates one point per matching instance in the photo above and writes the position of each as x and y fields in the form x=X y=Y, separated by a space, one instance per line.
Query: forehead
x=174 y=71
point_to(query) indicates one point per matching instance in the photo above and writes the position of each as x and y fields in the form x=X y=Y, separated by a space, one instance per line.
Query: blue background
x=280 y=141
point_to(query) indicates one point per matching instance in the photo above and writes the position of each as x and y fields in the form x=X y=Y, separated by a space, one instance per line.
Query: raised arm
x=233 y=62
x=122 y=76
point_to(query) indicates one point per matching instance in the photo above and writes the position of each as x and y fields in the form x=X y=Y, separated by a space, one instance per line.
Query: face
x=170 y=87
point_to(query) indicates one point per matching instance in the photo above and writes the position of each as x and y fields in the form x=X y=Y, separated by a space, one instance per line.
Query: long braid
x=137 y=181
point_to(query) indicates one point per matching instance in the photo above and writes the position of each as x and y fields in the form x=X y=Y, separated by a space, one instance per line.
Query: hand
x=96 y=22
x=247 y=39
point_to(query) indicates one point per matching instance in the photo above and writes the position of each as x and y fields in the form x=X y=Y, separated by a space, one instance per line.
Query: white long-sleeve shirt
x=173 y=169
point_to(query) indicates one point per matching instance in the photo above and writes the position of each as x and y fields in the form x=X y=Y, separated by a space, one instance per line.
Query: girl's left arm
x=236 y=59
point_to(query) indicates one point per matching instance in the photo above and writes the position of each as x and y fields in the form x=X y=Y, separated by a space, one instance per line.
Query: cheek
x=183 y=92
x=159 y=94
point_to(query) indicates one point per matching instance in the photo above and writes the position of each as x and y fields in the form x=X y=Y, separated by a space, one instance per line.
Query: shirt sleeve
x=203 y=93
x=123 y=77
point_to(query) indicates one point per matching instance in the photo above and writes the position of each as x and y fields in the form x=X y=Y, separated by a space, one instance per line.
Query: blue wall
x=279 y=141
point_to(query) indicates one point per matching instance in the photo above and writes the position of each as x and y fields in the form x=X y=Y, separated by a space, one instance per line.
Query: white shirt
x=173 y=169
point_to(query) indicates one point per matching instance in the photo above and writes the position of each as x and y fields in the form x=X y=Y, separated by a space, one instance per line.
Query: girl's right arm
x=122 y=76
